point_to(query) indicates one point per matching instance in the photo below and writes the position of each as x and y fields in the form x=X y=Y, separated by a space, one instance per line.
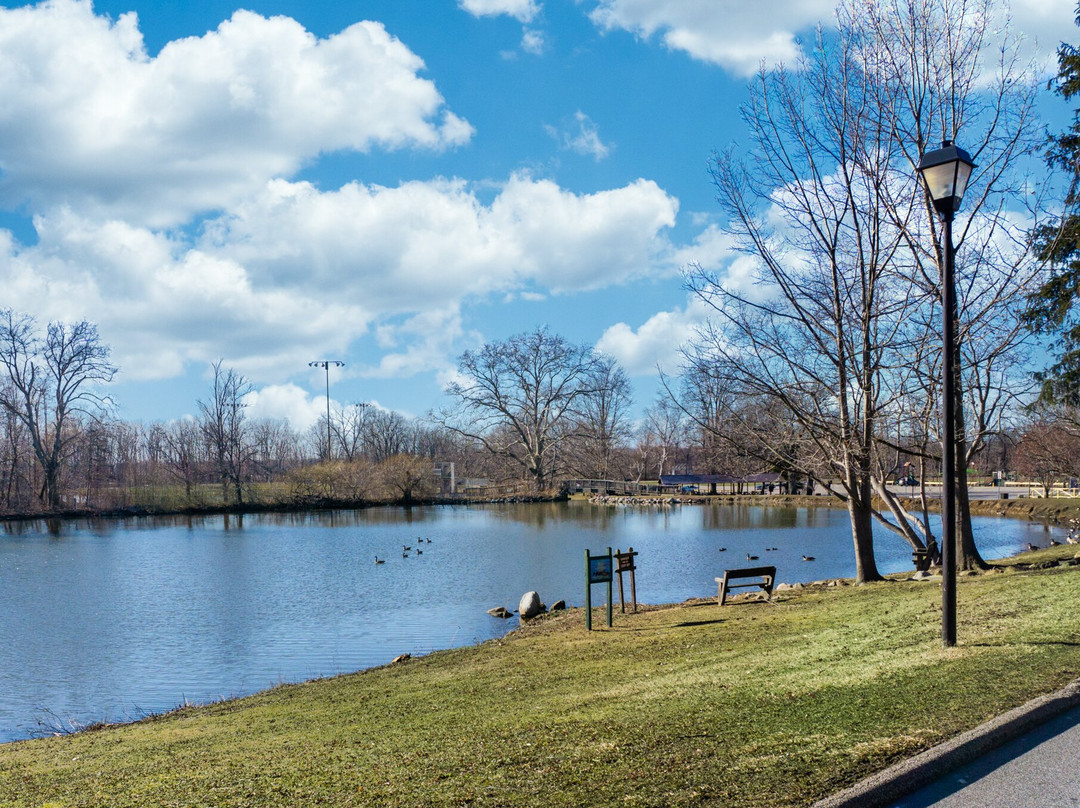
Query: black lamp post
x=325 y=365
x=945 y=174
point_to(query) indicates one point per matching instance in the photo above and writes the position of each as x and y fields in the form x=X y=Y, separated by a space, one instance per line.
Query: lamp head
x=945 y=173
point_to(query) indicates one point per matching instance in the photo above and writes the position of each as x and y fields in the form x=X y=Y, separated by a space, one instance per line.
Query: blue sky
x=386 y=183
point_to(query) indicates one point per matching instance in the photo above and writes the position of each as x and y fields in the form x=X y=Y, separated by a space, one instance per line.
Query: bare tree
x=18 y=489
x=661 y=434
x=351 y=429
x=959 y=77
x=274 y=447
x=53 y=383
x=387 y=433
x=409 y=477
x=520 y=398
x=603 y=425
x=811 y=340
x=182 y=450
x=844 y=244
x=224 y=430
x=1049 y=450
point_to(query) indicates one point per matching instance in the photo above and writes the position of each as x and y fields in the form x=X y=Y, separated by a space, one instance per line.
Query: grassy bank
x=1053 y=509
x=749 y=704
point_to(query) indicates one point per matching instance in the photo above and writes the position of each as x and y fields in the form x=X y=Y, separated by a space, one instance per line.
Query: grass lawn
x=693 y=704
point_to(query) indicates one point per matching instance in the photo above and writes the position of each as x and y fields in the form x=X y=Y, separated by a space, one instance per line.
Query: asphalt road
x=1040 y=769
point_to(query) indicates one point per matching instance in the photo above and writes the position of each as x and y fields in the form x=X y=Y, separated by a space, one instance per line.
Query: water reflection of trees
x=741 y=517
x=536 y=515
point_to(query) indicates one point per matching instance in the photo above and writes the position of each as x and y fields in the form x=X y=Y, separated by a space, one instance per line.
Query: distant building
x=445 y=479
x=722 y=483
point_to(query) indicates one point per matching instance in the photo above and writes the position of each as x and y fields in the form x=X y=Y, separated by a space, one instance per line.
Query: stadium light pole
x=945 y=173
x=325 y=365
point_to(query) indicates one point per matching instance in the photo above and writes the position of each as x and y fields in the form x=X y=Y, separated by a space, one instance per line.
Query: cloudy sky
x=381 y=182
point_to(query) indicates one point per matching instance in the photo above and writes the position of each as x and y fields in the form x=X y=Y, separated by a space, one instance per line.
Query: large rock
x=530 y=605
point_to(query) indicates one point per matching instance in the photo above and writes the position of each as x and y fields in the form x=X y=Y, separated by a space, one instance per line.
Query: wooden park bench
x=921 y=559
x=926 y=557
x=764 y=581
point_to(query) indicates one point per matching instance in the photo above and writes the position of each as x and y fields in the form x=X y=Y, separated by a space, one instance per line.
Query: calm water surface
x=109 y=620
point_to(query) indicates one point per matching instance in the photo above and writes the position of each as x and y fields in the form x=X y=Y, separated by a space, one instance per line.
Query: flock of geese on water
x=768 y=549
x=1072 y=538
x=407 y=550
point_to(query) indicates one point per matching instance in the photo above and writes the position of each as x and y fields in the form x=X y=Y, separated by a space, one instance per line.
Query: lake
x=109 y=620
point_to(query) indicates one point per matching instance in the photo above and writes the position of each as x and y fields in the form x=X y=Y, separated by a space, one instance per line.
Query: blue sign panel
x=600 y=569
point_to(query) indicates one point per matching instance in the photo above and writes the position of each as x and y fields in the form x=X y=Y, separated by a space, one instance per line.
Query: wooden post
x=624 y=562
x=622 y=601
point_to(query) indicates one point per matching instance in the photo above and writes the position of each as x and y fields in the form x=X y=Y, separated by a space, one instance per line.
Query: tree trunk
x=862 y=529
x=862 y=533
x=52 y=487
x=967 y=554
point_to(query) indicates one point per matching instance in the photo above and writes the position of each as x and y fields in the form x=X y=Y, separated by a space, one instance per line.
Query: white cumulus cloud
x=521 y=10
x=733 y=34
x=581 y=136
x=656 y=342
x=89 y=119
x=423 y=243
x=293 y=270
x=533 y=41
x=277 y=401
x=163 y=194
x=739 y=36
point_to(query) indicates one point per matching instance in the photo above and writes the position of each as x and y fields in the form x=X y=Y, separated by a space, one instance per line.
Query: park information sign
x=598 y=570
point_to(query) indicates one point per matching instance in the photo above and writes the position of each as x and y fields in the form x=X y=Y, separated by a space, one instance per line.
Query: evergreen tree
x=1055 y=308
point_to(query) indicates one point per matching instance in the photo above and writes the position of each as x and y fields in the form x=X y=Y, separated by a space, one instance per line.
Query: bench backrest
x=750 y=572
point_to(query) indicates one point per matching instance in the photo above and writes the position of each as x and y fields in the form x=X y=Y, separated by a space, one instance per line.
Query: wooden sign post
x=624 y=562
x=597 y=571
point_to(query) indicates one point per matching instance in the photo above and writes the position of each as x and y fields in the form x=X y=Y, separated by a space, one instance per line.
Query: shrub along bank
x=748 y=704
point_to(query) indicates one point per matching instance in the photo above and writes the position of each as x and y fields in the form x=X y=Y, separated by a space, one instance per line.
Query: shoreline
x=1021 y=562
x=1054 y=510
x=1018 y=561
x=697 y=710
x=255 y=508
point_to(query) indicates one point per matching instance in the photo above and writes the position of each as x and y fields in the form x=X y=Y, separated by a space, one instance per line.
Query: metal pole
x=609 y=591
x=325 y=365
x=588 y=593
x=948 y=453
